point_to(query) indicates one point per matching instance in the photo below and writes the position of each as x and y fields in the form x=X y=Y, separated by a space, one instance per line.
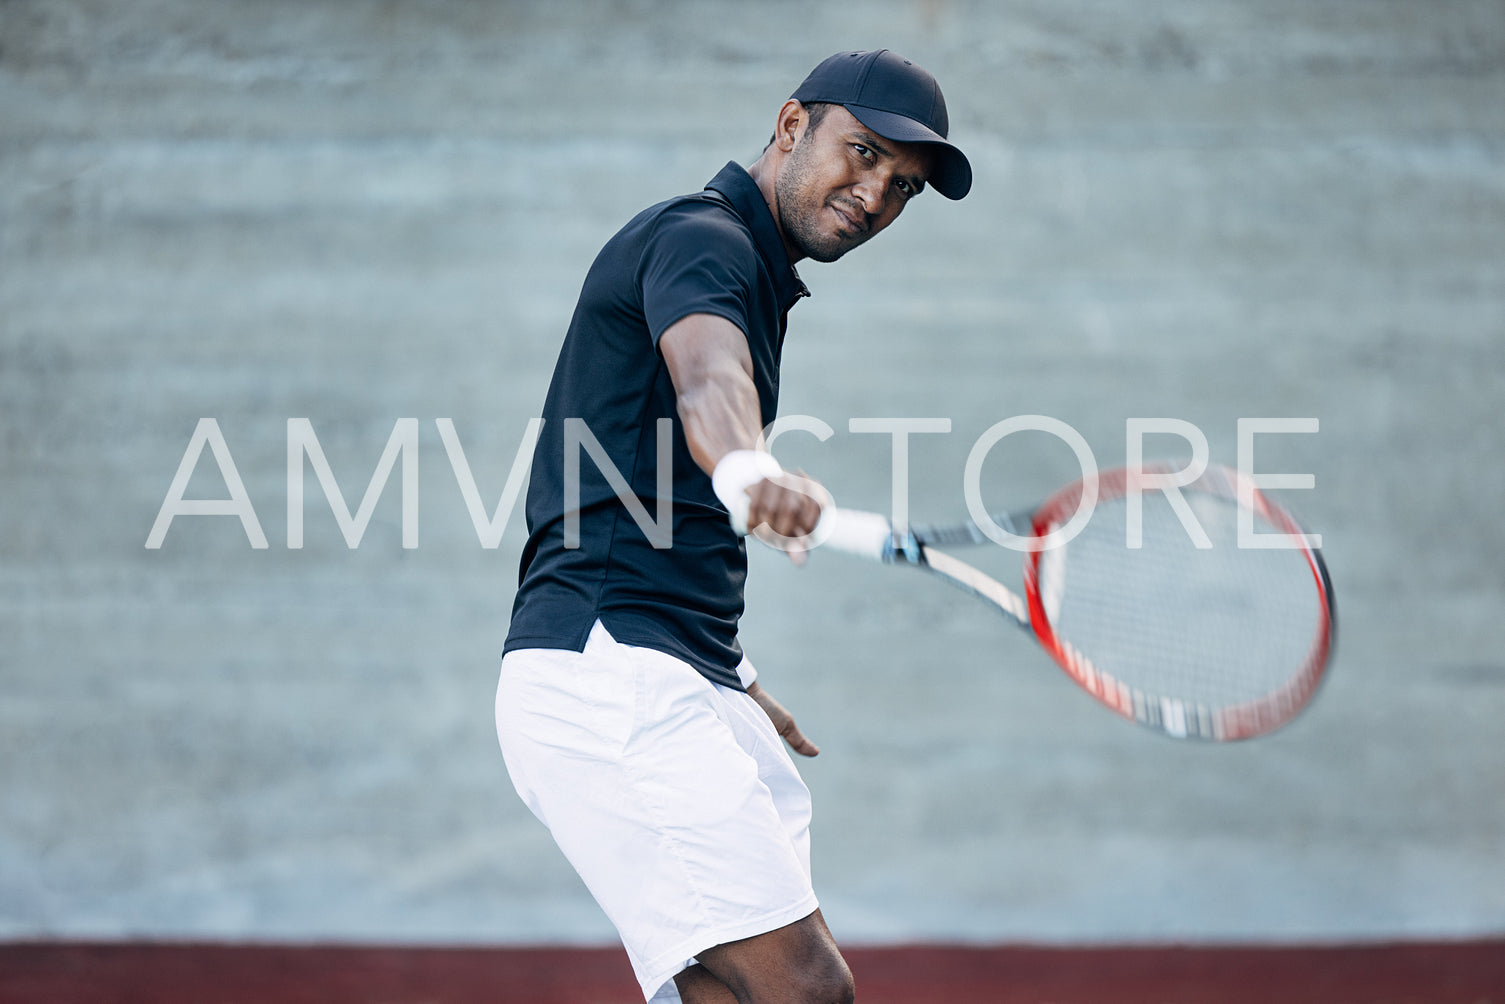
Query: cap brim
x=952 y=175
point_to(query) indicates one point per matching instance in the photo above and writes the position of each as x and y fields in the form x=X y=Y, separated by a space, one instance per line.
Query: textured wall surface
x=356 y=213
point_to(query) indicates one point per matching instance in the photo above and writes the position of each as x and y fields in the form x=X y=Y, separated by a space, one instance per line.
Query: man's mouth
x=853 y=221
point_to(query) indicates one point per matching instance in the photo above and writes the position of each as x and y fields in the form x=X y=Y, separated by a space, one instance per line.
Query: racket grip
x=863 y=534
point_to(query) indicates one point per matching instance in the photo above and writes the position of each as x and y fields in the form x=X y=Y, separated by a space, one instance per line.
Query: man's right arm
x=711 y=367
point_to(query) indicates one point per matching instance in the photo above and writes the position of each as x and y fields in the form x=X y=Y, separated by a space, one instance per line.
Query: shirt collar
x=738 y=187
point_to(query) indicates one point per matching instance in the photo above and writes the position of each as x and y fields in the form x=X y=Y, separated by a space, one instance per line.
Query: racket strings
x=1217 y=627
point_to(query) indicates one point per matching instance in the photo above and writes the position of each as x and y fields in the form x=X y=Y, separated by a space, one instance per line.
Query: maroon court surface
x=131 y=973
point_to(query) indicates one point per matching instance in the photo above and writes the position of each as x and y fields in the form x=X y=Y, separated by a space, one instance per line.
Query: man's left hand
x=783 y=721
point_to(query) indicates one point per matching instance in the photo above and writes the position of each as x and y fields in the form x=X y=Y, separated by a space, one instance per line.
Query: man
x=630 y=720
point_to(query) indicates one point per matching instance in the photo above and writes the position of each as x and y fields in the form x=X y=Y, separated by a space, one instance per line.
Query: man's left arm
x=782 y=720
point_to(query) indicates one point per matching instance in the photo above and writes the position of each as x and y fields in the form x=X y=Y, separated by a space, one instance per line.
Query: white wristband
x=747 y=674
x=735 y=473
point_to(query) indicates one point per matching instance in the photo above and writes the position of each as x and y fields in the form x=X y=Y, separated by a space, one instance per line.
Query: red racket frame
x=1171 y=715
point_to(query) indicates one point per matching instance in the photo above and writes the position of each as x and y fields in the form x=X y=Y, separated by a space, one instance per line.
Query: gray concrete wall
x=360 y=212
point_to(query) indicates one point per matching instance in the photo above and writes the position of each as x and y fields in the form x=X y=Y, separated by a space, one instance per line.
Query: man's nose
x=870 y=192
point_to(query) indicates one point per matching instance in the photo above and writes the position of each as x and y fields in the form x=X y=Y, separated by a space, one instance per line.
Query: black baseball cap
x=896 y=99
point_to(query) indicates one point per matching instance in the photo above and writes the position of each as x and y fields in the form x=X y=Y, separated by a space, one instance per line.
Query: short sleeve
x=696 y=261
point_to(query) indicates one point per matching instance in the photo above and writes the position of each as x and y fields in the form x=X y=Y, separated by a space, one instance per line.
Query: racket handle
x=863 y=534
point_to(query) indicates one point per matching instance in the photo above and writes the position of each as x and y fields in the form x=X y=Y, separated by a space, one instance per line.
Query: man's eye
x=862 y=151
x=905 y=187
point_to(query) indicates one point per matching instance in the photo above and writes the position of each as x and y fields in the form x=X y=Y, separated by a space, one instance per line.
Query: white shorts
x=672 y=796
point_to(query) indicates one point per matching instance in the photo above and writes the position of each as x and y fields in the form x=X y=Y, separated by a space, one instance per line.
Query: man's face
x=842 y=183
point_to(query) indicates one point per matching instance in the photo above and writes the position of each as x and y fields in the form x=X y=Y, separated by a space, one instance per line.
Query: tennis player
x=631 y=722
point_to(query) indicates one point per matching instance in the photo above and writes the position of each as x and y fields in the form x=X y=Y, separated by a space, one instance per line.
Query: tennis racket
x=1213 y=642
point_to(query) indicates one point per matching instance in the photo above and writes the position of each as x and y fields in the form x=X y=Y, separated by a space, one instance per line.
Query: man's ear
x=790 y=125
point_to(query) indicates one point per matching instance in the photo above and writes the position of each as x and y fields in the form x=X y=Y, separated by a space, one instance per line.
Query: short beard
x=797 y=214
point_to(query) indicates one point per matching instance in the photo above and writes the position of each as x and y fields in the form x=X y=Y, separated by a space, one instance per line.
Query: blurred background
x=361 y=212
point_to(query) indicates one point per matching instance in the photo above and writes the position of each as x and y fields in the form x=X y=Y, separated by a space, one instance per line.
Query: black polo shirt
x=714 y=252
